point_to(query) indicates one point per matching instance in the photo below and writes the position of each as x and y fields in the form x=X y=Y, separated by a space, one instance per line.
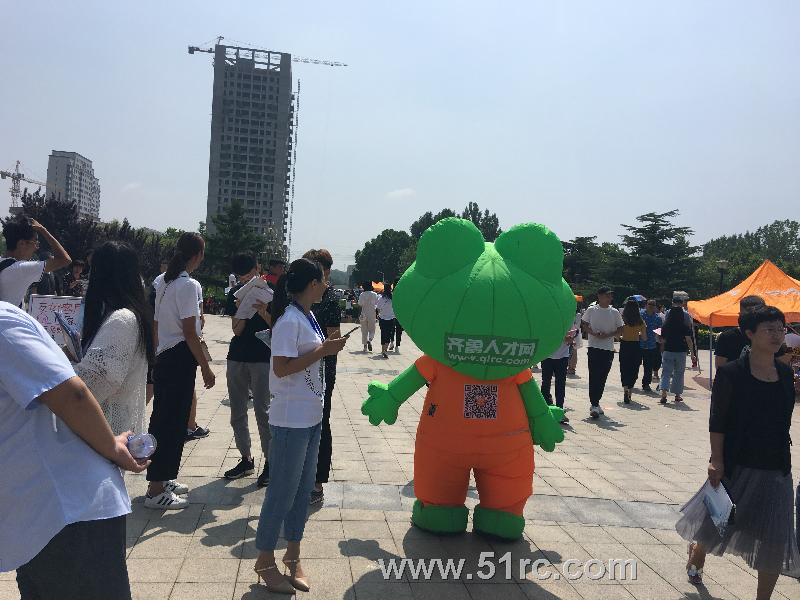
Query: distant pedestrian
x=368 y=301
x=603 y=322
x=751 y=412
x=677 y=341
x=74 y=284
x=17 y=271
x=634 y=331
x=577 y=342
x=556 y=366
x=386 y=319
x=651 y=353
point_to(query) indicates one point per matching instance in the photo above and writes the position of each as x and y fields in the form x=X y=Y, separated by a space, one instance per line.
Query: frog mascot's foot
x=498 y=523
x=440 y=519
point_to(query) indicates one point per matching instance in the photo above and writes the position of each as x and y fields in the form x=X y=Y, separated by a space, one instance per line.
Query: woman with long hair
x=178 y=352
x=677 y=336
x=386 y=319
x=634 y=330
x=751 y=412
x=297 y=385
x=117 y=337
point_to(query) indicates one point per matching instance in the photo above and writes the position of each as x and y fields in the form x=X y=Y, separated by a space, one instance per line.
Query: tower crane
x=300 y=59
x=16 y=192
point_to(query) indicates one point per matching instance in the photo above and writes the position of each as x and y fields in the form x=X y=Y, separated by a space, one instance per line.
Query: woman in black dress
x=751 y=411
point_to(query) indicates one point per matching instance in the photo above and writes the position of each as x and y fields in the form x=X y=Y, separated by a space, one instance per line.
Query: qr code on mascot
x=480 y=401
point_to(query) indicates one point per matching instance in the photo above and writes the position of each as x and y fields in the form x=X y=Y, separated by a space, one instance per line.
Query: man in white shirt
x=368 y=301
x=17 y=271
x=63 y=504
x=602 y=322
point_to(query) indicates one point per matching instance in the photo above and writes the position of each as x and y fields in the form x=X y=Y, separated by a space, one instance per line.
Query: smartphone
x=352 y=331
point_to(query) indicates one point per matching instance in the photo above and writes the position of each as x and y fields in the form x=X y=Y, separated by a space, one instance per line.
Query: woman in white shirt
x=297 y=385
x=178 y=352
x=367 y=301
x=386 y=319
x=117 y=337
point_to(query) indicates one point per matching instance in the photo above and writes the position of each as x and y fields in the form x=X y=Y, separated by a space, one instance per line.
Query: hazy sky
x=579 y=115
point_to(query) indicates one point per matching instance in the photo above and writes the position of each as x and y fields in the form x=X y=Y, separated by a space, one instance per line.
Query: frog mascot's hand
x=380 y=406
x=543 y=419
x=385 y=399
x=545 y=429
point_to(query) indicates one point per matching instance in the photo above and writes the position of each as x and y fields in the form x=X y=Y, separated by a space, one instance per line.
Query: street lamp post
x=722 y=266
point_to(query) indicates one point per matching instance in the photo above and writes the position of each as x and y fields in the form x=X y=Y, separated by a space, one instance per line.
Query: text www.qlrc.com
x=424 y=569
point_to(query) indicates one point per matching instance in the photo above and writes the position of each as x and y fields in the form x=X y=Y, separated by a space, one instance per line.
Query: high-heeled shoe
x=300 y=583
x=284 y=587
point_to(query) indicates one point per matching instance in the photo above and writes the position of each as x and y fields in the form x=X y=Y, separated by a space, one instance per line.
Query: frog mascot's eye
x=448 y=246
x=533 y=248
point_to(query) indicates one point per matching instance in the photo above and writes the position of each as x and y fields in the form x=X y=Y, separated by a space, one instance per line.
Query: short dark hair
x=18 y=229
x=274 y=262
x=322 y=256
x=677 y=300
x=77 y=263
x=750 y=320
x=749 y=303
x=604 y=289
x=243 y=264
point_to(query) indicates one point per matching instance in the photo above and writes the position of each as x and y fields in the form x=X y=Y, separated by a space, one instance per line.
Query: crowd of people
x=65 y=425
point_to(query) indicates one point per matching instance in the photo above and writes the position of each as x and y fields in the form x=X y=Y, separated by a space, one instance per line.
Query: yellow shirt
x=630 y=333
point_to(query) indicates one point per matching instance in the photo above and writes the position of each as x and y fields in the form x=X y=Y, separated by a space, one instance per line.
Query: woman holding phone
x=297 y=383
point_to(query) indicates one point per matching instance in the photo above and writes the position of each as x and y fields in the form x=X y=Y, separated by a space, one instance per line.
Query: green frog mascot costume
x=482 y=313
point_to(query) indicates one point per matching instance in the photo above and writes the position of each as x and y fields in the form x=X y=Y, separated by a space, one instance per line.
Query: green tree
x=233 y=236
x=487 y=222
x=380 y=257
x=658 y=256
x=419 y=226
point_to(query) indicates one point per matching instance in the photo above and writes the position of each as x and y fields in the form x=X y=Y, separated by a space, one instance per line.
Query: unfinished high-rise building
x=252 y=114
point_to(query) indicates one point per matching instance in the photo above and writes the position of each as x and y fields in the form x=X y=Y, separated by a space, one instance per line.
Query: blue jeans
x=673 y=367
x=292 y=471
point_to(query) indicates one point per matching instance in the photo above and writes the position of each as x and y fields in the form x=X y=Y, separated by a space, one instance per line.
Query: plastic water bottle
x=141 y=445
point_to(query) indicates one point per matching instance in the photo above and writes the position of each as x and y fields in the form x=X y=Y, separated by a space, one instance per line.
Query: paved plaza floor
x=611 y=490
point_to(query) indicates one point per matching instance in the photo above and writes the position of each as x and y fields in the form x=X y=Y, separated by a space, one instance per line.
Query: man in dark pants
x=329 y=315
x=602 y=322
x=650 y=350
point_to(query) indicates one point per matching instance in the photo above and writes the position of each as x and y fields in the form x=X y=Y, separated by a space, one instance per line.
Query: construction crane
x=16 y=191
x=300 y=59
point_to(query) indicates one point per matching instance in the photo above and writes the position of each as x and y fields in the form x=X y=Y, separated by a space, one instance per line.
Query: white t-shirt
x=17 y=278
x=368 y=301
x=52 y=477
x=176 y=300
x=602 y=320
x=385 y=308
x=296 y=400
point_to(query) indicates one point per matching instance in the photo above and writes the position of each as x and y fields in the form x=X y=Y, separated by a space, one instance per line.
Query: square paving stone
x=202 y=591
x=154 y=570
x=209 y=570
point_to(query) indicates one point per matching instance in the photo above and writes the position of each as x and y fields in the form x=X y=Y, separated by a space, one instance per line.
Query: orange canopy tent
x=768 y=281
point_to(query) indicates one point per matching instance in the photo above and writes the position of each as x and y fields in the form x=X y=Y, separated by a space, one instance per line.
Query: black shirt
x=754 y=415
x=732 y=342
x=328 y=314
x=247 y=347
x=675 y=337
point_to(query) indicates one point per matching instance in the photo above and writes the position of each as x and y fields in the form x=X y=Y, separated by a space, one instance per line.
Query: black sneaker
x=369 y=346
x=646 y=388
x=263 y=479
x=197 y=433
x=245 y=467
x=317 y=496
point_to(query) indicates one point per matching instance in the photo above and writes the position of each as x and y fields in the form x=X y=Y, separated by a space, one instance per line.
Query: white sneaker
x=594 y=412
x=176 y=487
x=391 y=346
x=166 y=501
